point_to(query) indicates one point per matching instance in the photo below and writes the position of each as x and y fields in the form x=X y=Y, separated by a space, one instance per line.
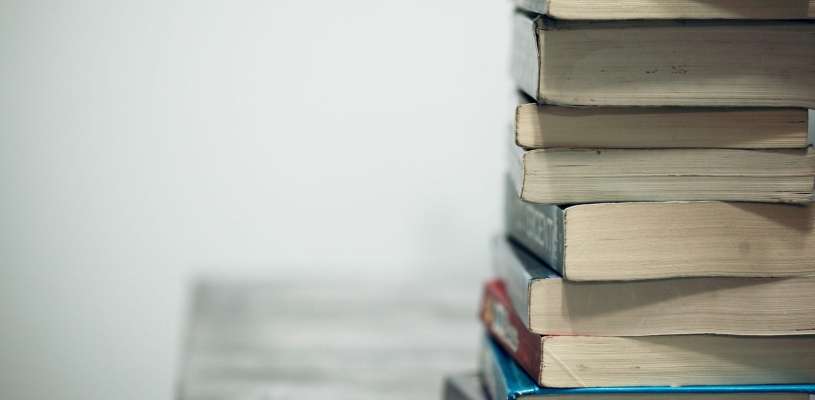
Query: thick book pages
x=543 y=126
x=671 y=9
x=665 y=63
x=466 y=386
x=504 y=379
x=576 y=176
x=629 y=241
x=673 y=360
x=551 y=305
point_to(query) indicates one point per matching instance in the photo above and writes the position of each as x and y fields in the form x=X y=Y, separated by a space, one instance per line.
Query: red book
x=508 y=329
x=597 y=361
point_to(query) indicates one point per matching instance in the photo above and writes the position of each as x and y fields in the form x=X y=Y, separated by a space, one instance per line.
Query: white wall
x=143 y=141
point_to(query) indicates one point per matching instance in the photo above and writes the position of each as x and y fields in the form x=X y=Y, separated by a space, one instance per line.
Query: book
x=575 y=176
x=504 y=379
x=718 y=63
x=671 y=9
x=672 y=360
x=544 y=126
x=630 y=241
x=551 y=305
x=465 y=386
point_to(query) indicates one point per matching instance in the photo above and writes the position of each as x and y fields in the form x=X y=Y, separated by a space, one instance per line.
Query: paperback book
x=635 y=240
x=504 y=379
x=670 y=360
x=550 y=305
x=713 y=63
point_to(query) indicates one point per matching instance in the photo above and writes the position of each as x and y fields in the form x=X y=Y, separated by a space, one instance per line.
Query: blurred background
x=144 y=144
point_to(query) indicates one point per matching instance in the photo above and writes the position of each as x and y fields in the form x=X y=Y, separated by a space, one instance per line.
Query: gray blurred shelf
x=283 y=340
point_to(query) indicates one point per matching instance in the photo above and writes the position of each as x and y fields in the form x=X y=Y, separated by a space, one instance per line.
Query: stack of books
x=659 y=240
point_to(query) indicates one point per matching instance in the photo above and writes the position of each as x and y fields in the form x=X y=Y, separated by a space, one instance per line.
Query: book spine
x=508 y=329
x=517 y=268
x=539 y=228
x=492 y=375
x=525 y=59
x=508 y=268
x=515 y=157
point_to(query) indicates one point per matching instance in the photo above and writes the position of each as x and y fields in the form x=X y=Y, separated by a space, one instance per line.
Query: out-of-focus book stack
x=660 y=242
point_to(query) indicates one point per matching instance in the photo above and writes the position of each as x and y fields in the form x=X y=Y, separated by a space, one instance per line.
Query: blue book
x=504 y=379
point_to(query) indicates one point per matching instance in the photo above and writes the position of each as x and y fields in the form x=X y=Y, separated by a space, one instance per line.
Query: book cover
x=538 y=227
x=508 y=329
x=517 y=269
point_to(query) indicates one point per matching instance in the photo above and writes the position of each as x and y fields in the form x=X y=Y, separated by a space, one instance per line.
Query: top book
x=671 y=9
x=716 y=63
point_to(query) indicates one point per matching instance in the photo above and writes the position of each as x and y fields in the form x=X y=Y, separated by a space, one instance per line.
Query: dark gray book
x=538 y=227
x=716 y=63
x=463 y=387
x=628 y=241
x=550 y=305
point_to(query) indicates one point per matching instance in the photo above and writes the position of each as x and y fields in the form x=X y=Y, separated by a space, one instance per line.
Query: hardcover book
x=629 y=241
x=503 y=379
x=717 y=63
x=674 y=360
x=551 y=305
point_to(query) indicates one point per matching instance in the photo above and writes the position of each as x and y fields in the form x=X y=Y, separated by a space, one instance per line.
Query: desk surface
x=277 y=340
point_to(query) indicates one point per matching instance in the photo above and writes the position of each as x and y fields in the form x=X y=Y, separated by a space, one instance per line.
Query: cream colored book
x=577 y=176
x=539 y=126
x=631 y=241
x=577 y=361
x=550 y=305
x=670 y=360
x=504 y=380
x=671 y=9
x=717 y=63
